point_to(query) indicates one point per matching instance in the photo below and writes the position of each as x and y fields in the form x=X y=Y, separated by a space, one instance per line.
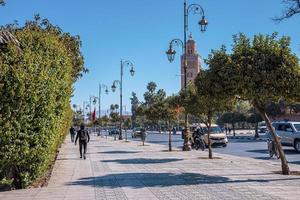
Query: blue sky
x=140 y=30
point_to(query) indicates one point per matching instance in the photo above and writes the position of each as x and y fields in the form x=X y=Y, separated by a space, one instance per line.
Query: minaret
x=193 y=62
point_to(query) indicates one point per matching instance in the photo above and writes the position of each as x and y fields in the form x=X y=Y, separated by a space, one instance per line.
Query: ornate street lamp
x=195 y=9
x=125 y=63
x=203 y=24
x=171 y=53
x=85 y=107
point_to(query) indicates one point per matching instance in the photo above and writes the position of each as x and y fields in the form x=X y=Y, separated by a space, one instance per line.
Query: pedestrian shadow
x=142 y=180
x=143 y=161
x=119 y=152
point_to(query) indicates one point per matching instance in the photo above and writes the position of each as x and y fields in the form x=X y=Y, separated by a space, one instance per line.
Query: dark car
x=113 y=132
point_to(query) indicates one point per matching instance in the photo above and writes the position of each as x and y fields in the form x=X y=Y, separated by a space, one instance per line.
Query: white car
x=289 y=132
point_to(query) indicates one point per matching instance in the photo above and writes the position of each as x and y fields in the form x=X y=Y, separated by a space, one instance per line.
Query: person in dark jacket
x=72 y=133
x=83 y=137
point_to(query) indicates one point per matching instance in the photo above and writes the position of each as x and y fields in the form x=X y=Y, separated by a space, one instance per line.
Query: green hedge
x=35 y=89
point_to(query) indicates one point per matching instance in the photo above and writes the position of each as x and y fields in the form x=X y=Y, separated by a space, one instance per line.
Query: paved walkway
x=127 y=170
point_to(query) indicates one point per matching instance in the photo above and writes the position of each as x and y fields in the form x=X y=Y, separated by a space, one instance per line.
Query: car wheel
x=297 y=145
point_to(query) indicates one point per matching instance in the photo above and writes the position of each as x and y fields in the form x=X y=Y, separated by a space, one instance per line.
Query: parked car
x=289 y=132
x=136 y=132
x=262 y=127
x=113 y=132
x=217 y=136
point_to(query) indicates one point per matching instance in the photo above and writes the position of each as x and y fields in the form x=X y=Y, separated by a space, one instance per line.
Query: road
x=238 y=147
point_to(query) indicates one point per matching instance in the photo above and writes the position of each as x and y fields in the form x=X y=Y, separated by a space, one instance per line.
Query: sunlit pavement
x=128 y=170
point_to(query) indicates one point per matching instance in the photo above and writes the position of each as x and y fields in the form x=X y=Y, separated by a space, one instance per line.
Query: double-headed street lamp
x=100 y=90
x=120 y=82
x=195 y=9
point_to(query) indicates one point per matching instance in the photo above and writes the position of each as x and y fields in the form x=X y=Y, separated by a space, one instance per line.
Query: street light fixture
x=85 y=107
x=195 y=9
x=125 y=63
x=106 y=92
x=203 y=24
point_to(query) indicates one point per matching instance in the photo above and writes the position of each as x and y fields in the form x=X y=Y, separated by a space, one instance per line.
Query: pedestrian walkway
x=128 y=170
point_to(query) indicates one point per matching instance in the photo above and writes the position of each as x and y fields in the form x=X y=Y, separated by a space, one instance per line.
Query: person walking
x=72 y=133
x=83 y=137
x=174 y=131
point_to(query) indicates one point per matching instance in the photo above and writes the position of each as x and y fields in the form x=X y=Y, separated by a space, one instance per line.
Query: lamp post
x=195 y=9
x=113 y=87
x=93 y=99
x=100 y=90
x=77 y=110
x=85 y=107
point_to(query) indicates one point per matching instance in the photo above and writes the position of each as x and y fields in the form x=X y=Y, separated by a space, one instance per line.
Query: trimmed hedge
x=35 y=89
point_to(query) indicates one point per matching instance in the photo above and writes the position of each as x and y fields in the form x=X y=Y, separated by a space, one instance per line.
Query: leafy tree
x=292 y=8
x=233 y=118
x=149 y=96
x=152 y=108
x=254 y=118
x=127 y=123
x=274 y=109
x=2 y=2
x=134 y=107
x=114 y=115
x=265 y=70
x=210 y=94
x=168 y=114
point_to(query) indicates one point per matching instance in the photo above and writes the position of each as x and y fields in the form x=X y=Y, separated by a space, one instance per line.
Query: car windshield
x=213 y=130
x=297 y=127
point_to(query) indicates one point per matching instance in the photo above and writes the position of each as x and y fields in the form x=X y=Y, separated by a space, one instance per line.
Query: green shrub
x=35 y=89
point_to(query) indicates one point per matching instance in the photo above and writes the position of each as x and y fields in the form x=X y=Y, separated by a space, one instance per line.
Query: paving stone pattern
x=118 y=170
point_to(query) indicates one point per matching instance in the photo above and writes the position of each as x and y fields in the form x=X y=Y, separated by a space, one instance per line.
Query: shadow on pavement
x=101 y=146
x=265 y=151
x=119 y=152
x=69 y=158
x=141 y=180
x=295 y=162
x=143 y=161
x=243 y=140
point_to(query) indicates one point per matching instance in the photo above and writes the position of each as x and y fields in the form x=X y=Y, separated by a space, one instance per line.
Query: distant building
x=193 y=62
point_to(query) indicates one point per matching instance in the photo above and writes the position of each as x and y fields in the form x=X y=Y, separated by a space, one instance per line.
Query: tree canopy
x=264 y=70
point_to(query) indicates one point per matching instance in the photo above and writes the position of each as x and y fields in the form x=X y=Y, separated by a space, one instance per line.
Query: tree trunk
x=209 y=141
x=284 y=163
x=256 y=130
x=233 y=129
x=170 y=139
x=16 y=178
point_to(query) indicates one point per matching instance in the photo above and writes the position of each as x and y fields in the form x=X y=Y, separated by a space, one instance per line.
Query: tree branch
x=292 y=8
